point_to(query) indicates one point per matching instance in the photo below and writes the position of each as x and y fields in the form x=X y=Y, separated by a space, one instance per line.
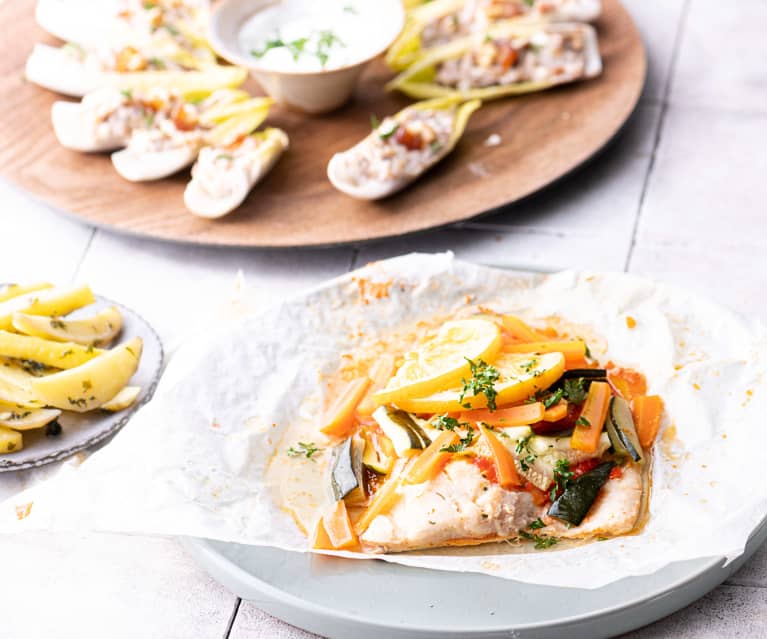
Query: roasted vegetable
x=339 y=416
x=346 y=470
x=588 y=427
x=401 y=429
x=621 y=429
x=648 y=411
x=379 y=455
x=574 y=503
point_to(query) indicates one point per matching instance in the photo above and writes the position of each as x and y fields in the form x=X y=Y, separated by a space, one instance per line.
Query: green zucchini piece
x=346 y=470
x=621 y=429
x=376 y=459
x=574 y=503
x=401 y=429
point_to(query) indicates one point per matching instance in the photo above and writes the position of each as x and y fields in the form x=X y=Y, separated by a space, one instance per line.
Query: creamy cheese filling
x=400 y=147
x=546 y=56
x=221 y=171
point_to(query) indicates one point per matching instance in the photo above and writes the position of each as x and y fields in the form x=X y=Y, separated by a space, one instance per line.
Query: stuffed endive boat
x=439 y=22
x=106 y=22
x=509 y=59
x=76 y=71
x=401 y=148
x=224 y=174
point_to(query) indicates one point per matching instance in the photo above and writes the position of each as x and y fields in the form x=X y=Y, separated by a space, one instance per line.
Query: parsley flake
x=482 y=382
x=304 y=449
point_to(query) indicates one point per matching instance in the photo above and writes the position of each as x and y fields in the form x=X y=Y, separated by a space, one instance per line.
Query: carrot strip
x=513 y=416
x=380 y=373
x=505 y=468
x=339 y=417
x=520 y=330
x=556 y=412
x=320 y=539
x=338 y=526
x=588 y=428
x=574 y=350
x=432 y=460
x=648 y=410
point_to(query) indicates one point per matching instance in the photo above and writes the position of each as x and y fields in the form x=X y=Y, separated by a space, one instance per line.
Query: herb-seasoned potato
x=92 y=384
x=43 y=351
x=26 y=418
x=51 y=302
x=123 y=399
x=96 y=330
x=11 y=441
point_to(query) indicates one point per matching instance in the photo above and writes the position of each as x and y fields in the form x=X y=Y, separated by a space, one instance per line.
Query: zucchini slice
x=346 y=470
x=574 y=503
x=621 y=429
x=401 y=429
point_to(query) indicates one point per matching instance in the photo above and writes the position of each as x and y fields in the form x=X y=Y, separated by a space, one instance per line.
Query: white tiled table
x=680 y=196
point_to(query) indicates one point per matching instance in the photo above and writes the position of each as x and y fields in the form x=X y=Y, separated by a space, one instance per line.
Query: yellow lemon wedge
x=521 y=375
x=442 y=361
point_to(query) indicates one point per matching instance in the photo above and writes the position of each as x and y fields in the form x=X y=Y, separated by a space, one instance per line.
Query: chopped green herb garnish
x=385 y=135
x=462 y=445
x=304 y=449
x=526 y=456
x=582 y=421
x=482 y=382
x=127 y=94
x=374 y=121
x=575 y=390
x=541 y=543
x=537 y=524
x=350 y=9
x=562 y=478
x=553 y=399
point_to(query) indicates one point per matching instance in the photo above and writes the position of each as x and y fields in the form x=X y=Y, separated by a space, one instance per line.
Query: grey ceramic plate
x=88 y=429
x=348 y=599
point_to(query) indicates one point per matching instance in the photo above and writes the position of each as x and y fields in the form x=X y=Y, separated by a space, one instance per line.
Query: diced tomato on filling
x=408 y=138
x=507 y=55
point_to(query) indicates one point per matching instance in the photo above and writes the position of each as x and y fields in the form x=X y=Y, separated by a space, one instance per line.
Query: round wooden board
x=544 y=136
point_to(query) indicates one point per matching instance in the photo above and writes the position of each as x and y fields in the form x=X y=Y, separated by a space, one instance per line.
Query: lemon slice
x=520 y=377
x=442 y=360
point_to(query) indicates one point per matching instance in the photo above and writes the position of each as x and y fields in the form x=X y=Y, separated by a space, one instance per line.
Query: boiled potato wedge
x=97 y=330
x=11 y=441
x=26 y=418
x=92 y=384
x=15 y=388
x=15 y=290
x=52 y=302
x=123 y=399
x=43 y=351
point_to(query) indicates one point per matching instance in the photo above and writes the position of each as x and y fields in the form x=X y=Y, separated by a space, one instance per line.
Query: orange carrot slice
x=505 y=468
x=380 y=373
x=574 y=350
x=520 y=330
x=648 y=411
x=556 y=412
x=384 y=499
x=588 y=428
x=339 y=417
x=338 y=526
x=320 y=539
x=629 y=382
x=513 y=416
x=433 y=459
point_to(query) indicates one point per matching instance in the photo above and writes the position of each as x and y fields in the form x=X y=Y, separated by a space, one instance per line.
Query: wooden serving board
x=543 y=137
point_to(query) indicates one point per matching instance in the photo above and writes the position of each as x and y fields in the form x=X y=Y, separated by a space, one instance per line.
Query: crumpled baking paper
x=192 y=461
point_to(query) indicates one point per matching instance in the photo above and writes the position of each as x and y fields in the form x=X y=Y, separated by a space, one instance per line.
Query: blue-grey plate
x=345 y=598
x=84 y=430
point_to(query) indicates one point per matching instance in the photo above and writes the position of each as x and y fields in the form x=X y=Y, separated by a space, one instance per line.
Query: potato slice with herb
x=123 y=399
x=11 y=441
x=15 y=388
x=43 y=351
x=92 y=384
x=51 y=302
x=26 y=418
x=99 y=329
x=9 y=291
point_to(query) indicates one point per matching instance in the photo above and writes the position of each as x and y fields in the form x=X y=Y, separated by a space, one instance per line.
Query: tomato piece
x=408 y=138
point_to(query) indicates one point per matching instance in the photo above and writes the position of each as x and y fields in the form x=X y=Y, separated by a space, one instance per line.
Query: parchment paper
x=192 y=461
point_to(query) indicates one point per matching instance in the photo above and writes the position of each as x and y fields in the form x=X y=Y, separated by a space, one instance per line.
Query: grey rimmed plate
x=83 y=430
x=348 y=599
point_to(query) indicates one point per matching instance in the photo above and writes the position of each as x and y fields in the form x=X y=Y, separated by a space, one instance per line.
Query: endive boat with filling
x=103 y=23
x=439 y=22
x=75 y=71
x=510 y=59
x=223 y=176
x=401 y=148
x=491 y=429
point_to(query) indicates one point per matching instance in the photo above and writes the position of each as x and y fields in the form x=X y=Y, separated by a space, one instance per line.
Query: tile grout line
x=232 y=618
x=664 y=106
x=87 y=248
